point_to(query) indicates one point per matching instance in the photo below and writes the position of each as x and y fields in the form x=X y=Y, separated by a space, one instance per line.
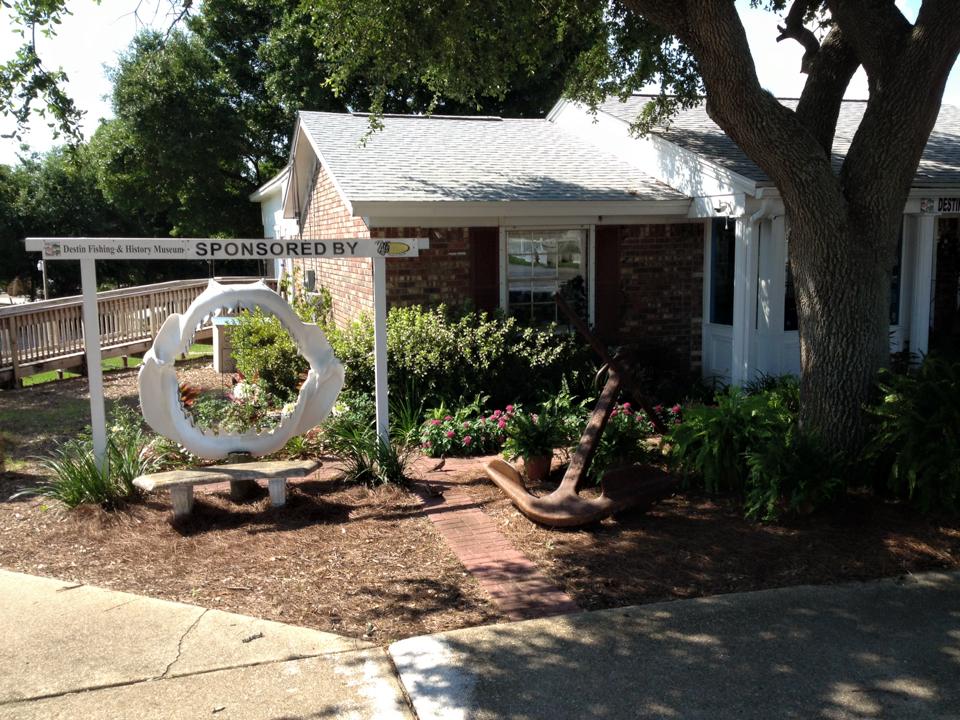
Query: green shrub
x=790 y=472
x=440 y=357
x=712 y=441
x=749 y=445
x=916 y=439
x=265 y=352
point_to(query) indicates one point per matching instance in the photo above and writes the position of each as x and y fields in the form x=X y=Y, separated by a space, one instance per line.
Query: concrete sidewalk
x=72 y=651
x=884 y=649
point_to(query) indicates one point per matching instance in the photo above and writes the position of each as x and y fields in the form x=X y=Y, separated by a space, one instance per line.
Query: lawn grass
x=197 y=350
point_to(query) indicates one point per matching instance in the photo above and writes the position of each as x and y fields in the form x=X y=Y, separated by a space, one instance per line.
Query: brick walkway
x=507 y=575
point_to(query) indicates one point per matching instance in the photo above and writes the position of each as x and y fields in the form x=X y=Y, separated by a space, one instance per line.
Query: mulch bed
x=344 y=559
x=691 y=546
x=368 y=564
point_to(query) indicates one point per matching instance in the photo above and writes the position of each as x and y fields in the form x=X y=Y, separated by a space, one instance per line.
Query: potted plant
x=533 y=437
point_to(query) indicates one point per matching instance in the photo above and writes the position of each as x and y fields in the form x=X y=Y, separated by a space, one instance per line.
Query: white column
x=380 y=347
x=922 y=283
x=91 y=343
x=744 y=299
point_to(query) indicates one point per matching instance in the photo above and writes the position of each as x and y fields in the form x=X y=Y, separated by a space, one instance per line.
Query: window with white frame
x=540 y=263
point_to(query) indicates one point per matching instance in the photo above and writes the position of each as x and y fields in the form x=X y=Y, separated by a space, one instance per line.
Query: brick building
x=675 y=241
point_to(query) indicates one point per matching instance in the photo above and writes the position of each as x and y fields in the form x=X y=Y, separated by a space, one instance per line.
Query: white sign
x=220 y=249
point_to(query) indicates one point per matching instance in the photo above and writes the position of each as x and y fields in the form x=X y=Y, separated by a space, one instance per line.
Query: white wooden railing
x=48 y=335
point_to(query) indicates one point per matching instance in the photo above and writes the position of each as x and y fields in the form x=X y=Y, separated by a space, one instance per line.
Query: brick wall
x=656 y=293
x=442 y=274
x=350 y=281
x=661 y=288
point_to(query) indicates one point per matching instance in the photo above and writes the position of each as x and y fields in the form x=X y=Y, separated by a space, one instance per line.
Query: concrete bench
x=180 y=482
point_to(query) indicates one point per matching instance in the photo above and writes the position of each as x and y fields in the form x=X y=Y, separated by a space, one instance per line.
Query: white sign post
x=89 y=250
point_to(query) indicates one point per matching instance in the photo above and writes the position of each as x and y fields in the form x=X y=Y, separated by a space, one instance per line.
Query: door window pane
x=722 y=250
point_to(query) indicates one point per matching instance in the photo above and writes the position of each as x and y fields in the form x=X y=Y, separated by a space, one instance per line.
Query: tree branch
x=793 y=28
x=829 y=75
x=876 y=29
x=771 y=134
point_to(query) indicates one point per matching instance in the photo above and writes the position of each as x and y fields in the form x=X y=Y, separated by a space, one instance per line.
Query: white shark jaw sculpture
x=160 y=390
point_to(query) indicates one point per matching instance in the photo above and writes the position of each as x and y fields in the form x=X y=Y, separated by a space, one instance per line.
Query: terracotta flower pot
x=537 y=467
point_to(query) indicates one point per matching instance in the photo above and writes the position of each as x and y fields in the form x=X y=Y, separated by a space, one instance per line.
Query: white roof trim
x=271 y=185
x=300 y=131
x=449 y=210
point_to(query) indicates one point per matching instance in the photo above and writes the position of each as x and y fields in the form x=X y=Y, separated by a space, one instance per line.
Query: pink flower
x=448 y=417
x=626 y=408
x=466 y=423
x=675 y=409
x=613 y=413
x=509 y=408
x=434 y=422
x=501 y=424
x=658 y=408
x=450 y=433
x=498 y=413
x=467 y=439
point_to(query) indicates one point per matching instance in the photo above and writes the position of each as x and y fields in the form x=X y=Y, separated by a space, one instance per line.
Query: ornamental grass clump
x=77 y=478
x=350 y=434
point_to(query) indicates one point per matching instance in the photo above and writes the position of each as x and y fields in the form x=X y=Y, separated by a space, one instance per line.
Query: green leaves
x=264 y=351
x=441 y=356
x=749 y=446
x=916 y=441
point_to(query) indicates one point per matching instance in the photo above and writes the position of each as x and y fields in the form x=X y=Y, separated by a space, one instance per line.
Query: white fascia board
x=292 y=193
x=733 y=205
x=414 y=212
x=271 y=187
x=557 y=108
x=539 y=221
x=681 y=169
x=302 y=167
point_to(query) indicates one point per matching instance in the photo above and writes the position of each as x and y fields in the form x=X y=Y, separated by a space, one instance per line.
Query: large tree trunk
x=842 y=277
x=843 y=227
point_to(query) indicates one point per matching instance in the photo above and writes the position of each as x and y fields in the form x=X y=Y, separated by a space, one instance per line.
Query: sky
x=89 y=42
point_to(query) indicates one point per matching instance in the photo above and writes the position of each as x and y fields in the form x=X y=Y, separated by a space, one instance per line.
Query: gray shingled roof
x=417 y=158
x=694 y=130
